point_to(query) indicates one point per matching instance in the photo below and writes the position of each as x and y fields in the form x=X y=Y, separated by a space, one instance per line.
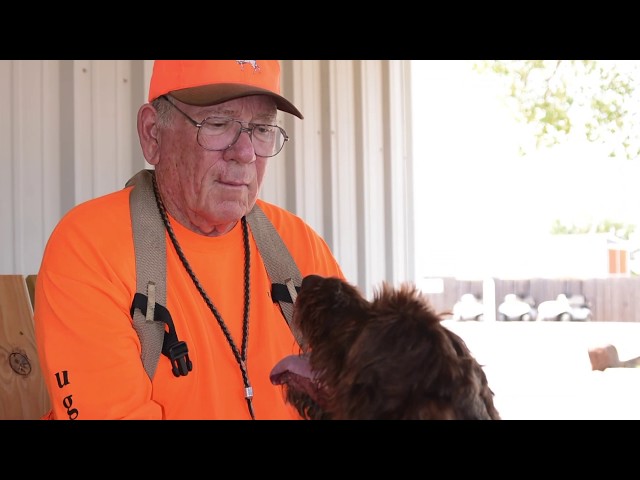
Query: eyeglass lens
x=219 y=133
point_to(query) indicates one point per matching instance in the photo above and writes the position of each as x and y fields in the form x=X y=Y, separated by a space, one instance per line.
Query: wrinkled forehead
x=257 y=107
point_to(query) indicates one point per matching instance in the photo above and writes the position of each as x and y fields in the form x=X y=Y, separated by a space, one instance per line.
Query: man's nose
x=242 y=150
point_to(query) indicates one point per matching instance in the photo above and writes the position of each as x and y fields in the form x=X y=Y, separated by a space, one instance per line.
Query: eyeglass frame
x=248 y=129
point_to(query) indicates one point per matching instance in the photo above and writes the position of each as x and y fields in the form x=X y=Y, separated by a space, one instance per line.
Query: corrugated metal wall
x=68 y=134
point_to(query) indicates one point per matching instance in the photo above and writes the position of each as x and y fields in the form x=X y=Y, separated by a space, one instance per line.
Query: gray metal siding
x=68 y=134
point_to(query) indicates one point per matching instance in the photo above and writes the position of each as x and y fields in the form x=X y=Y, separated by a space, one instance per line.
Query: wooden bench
x=23 y=395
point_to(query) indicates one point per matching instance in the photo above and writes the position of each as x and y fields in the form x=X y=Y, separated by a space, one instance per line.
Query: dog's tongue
x=297 y=365
x=295 y=372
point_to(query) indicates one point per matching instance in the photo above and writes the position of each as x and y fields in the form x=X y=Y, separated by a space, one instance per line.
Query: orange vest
x=90 y=353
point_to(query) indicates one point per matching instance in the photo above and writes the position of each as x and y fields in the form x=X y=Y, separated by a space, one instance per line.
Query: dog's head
x=389 y=358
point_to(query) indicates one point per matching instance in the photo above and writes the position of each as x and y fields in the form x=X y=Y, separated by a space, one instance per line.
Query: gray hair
x=164 y=112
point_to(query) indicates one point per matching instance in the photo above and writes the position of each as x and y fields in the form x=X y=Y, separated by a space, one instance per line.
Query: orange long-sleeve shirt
x=90 y=353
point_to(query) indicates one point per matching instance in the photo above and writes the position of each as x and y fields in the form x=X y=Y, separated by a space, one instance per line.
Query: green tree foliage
x=619 y=229
x=597 y=99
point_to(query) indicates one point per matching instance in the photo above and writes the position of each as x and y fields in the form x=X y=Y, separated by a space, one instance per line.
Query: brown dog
x=390 y=358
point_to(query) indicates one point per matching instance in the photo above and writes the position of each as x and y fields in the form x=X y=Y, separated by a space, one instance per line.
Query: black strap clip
x=178 y=354
x=176 y=350
x=280 y=293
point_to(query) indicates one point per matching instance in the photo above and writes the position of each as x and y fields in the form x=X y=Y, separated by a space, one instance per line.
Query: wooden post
x=23 y=395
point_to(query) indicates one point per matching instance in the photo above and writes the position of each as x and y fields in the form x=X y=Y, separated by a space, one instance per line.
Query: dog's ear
x=407 y=365
x=476 y=398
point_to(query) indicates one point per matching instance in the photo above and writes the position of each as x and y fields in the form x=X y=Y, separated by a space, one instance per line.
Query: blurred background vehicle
x=517 y=308
x=565 y=309
x=580 y=308
x=555 y=310
x=469 y=307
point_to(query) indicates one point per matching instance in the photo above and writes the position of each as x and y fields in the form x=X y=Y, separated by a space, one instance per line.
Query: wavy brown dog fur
x=389 y=358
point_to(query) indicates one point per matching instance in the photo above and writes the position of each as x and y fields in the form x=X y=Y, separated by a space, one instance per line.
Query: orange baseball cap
x=209 y=82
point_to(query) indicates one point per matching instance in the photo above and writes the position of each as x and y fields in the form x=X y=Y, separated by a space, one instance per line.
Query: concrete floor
x=541 y=370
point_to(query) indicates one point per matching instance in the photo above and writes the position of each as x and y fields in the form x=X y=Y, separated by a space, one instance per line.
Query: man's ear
x=148 y=133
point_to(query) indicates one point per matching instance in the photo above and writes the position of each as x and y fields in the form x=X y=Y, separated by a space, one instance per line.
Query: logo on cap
x=253 y=63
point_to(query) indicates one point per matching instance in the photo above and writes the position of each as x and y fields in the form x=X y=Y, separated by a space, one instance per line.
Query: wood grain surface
x=23 y=395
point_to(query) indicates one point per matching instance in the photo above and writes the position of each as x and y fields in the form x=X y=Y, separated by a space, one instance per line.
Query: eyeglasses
x=220 y=133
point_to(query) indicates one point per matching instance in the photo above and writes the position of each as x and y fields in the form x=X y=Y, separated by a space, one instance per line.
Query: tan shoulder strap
x=151 y=267
x=149 y=304
x=280 y=264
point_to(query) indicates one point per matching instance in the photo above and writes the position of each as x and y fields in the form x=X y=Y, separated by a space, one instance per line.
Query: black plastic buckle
x=174 y=349
x=280 y=293
x=179 y=356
